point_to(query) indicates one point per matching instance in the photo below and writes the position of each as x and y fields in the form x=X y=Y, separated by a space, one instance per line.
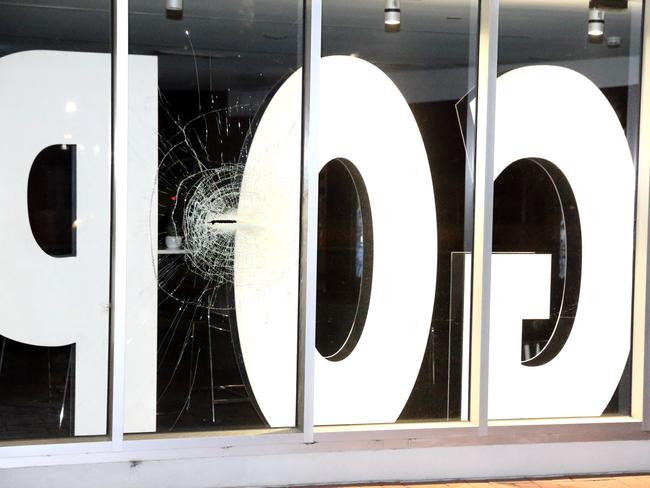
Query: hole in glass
x=344 y=273
x=535 y=211
x=51 y=200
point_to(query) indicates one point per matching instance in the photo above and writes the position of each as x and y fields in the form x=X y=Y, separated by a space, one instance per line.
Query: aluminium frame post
x=120 y=80
x=309 y=218
x=483 y=204
x=640 y=333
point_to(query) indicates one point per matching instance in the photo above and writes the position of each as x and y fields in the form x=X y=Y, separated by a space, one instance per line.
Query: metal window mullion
x=309 y=219
x=483 y=203
x=119 y=265
x=640 y=332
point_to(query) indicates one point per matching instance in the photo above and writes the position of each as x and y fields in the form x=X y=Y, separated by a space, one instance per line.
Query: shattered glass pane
x=218 y=66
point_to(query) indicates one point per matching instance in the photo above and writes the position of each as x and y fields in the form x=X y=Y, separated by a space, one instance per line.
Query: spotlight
x=596 y=24
x=174 y=9
x=392 y=14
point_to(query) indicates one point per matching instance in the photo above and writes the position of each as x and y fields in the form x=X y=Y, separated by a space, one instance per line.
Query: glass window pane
x=55 y=130
x=565 y=166
x=395 y=211
x=214 y=188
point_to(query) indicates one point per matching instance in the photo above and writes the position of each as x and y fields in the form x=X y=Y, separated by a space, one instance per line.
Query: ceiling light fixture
x=392 y=15
x=174 y=5
x=174 y=9
x=596 y=23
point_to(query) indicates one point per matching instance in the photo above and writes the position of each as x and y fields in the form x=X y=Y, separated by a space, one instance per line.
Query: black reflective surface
x=344 y=276
x=36 y=383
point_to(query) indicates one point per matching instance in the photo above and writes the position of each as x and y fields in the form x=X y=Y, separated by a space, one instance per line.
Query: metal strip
x=309 y=219
x=610 y=431
x=483 y=191
x=120 y=214
x=634 y=82
x=640 y=336
x=35 y=451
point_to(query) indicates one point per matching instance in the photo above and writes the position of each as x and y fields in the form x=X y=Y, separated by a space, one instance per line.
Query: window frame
x=305 y=437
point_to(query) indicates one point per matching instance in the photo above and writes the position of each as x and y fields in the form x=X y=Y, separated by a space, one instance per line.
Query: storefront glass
x=214 y=178
x=395 y=211
x=214 y=188
x=566 y=136
x=55 y=130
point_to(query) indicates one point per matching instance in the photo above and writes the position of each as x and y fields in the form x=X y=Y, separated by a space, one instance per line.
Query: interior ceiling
x=243 y=40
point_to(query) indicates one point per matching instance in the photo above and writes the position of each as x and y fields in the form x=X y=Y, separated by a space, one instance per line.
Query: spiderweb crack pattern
x=203 y=148
x=210 y=222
